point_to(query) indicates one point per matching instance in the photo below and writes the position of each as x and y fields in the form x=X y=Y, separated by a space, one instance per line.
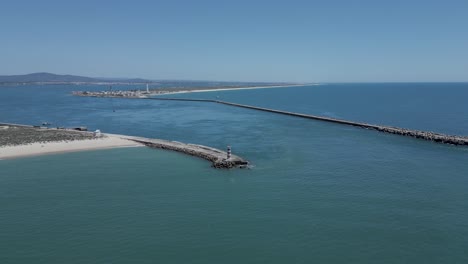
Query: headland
x=22 y=141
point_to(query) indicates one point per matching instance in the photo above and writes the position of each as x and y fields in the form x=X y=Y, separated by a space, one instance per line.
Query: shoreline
x=18 y=141
x=58 y=147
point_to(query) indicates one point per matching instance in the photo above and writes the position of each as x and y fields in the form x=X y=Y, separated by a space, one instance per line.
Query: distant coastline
x=44 y=78
x=176 y=90
x=71 y=83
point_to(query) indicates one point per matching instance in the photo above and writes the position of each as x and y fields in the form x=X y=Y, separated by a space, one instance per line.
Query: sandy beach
x=34 y=149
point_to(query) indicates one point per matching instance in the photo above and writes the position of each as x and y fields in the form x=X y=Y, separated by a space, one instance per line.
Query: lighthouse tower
x=147 y=88
x=228 y=152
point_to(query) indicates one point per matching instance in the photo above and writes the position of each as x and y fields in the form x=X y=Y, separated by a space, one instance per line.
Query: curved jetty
x=425 y=135
x=217 y=157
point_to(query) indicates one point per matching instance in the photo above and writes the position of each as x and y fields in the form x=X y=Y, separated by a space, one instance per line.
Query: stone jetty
x=425 y=135
x=218 y=158
x=430 y=136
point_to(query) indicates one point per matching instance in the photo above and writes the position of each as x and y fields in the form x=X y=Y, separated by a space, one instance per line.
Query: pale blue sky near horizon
x=298 y=41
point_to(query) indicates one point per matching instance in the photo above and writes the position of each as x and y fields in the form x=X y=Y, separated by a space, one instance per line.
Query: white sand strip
x=232 y=89
x=109 y=141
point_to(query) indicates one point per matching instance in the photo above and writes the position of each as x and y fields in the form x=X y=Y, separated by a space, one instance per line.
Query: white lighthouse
x=147 y=88
x=228 y=152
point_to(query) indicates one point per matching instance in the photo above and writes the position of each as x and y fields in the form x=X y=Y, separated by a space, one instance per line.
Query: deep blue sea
x=318 y=192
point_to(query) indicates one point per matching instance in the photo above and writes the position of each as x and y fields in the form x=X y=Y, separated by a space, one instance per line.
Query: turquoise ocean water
x=318 y=192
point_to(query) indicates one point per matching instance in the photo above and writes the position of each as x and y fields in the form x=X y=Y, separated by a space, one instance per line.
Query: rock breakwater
x=425 y=135
x=217 y=157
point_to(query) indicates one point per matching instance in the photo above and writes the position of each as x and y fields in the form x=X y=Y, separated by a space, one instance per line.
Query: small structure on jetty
x=219 y=159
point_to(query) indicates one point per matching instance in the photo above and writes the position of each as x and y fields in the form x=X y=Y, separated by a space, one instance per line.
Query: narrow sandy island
x=169 y=91
x=34 y=149
x=231 y=89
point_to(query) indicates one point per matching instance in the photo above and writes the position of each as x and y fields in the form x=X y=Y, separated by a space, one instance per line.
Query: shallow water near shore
x=318 y=192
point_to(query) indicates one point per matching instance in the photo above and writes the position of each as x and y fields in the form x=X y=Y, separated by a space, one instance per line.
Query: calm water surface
x=318 y=192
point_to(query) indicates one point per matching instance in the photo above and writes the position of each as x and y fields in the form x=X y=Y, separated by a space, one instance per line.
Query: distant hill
x=50 y=78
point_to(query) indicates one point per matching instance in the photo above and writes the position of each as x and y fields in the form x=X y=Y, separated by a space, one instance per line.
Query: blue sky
x=303 y=41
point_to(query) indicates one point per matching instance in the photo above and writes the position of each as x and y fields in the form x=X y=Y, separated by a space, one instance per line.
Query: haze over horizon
x=298 y=41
